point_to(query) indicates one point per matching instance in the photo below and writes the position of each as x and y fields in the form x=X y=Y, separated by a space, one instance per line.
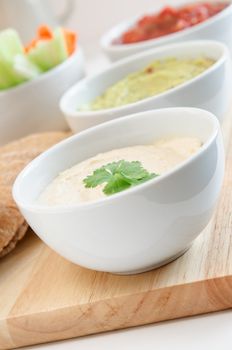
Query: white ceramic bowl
x=34 y=106
x=211 y=90
x=145 y=226
x=218 y=27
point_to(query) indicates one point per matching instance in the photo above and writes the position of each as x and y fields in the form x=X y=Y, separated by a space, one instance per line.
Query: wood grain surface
x=44 y=298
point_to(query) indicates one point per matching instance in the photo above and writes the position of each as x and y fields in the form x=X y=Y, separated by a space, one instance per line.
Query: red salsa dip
x=170 y=20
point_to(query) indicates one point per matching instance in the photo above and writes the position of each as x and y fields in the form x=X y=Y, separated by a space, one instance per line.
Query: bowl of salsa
x=199 y=20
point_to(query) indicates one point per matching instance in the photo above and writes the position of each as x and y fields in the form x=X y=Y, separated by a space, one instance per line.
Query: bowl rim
x=43 y=76
x=106 y=38
x=80 y=85
x=35 y=207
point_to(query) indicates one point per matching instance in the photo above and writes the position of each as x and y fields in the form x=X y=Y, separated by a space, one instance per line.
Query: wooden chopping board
x=44 y=298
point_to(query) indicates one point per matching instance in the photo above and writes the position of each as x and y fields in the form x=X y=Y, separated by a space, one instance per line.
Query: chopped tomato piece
x=168 y=11
x=133 y=36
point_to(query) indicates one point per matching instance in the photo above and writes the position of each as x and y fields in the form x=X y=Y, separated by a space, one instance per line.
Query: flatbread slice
x=10 y=221
x=15 y=239
x=13 y=158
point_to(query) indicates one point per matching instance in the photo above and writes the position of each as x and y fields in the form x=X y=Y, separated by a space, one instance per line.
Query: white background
x=91 y=18
x=208 y=332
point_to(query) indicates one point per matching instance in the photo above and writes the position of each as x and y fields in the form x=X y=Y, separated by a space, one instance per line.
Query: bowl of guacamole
x=157 y=77
x=190 y=74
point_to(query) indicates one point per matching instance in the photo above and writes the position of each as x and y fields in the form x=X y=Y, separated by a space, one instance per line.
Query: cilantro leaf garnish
x=118 y=176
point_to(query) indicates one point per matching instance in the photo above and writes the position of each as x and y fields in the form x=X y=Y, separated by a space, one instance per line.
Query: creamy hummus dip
x=154 y=79
x=68 y=187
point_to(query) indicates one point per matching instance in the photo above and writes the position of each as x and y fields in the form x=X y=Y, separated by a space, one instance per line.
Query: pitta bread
x=13 y=158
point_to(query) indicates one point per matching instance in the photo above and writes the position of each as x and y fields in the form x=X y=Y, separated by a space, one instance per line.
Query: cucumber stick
x=15 y=67
x=49 y=53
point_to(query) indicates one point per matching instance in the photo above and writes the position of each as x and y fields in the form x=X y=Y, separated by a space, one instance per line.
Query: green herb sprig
x=118 y=176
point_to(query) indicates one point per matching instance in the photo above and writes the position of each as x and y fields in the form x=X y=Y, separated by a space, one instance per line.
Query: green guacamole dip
x=154 y=79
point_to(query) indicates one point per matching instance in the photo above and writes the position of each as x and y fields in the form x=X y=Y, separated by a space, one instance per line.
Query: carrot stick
x=44 y=33
x=70 y=38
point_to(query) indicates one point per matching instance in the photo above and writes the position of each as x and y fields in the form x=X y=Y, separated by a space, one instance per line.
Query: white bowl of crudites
x=34 y=106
